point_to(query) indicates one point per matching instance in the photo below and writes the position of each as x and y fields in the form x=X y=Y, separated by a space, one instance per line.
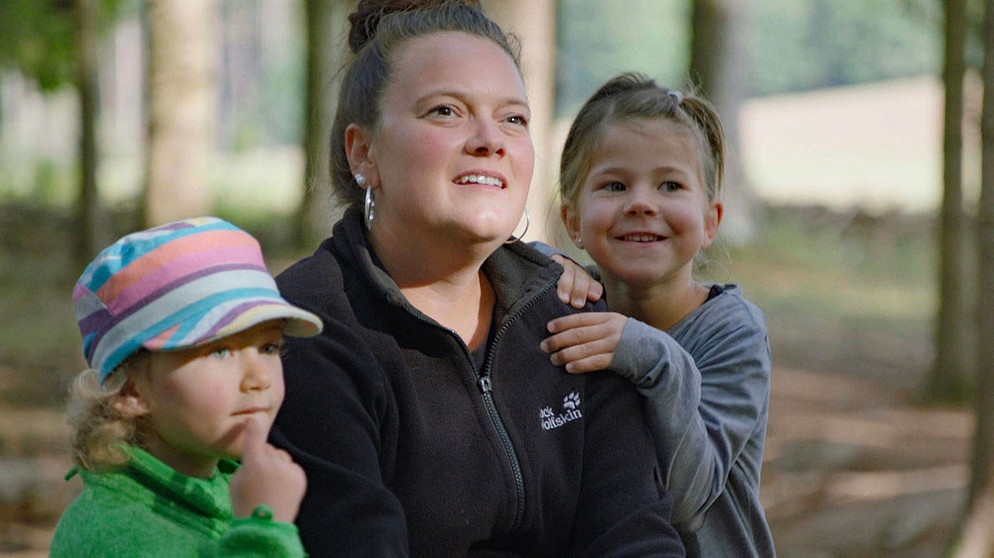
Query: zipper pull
x=484 y=383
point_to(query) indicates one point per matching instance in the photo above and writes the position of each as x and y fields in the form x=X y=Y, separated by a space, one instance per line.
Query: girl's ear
x=571 y=220
x=129 y=401
x=361 y=154
x=712 y=220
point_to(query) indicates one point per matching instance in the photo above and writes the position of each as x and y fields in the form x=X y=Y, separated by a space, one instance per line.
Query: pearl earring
x=579 y=242
x=360 y=180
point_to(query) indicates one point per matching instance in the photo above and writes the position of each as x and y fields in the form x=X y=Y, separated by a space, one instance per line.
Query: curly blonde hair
x=101 y=433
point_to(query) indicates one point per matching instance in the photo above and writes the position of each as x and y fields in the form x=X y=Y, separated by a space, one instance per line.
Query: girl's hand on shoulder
x=268 y=476
x=576 y=286
x=584 y=342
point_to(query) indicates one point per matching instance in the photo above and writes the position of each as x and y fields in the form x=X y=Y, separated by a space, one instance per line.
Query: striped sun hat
x=177 y=286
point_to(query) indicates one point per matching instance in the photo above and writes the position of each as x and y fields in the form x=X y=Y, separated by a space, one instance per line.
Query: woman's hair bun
x=366 y=18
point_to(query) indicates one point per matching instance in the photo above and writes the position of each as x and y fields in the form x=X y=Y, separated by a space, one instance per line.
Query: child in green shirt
x=182 y=327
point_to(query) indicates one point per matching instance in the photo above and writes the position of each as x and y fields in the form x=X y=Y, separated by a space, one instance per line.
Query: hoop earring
x=369 y=210
x=528 y=221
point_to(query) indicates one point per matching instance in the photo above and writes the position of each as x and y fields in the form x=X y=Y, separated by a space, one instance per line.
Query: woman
x=427 y=418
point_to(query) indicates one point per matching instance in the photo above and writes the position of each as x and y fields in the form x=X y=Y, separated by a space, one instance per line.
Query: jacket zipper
x=486 y=388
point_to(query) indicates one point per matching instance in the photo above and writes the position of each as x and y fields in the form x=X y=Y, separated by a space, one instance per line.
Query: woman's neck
x=445 y=282
x=466 y=309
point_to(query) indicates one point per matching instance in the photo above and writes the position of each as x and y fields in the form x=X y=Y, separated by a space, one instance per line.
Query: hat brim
x=296 y=322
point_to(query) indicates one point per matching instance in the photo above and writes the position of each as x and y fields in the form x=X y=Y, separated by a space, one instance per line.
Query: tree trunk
x=534 y=23
x=87 y=238
x=983 y=461
x=182 y=66
x=947 y=380
x=977 y=537
x=327 y=51
x=718 y=65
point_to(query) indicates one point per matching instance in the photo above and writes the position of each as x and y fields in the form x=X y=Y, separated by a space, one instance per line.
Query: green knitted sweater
x=149 y=509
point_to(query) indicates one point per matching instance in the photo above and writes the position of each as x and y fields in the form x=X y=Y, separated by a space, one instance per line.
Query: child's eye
x=670 y=186
x=274 y=348
x=614 y=187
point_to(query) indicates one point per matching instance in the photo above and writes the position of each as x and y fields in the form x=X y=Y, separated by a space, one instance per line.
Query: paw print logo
x=571 y=401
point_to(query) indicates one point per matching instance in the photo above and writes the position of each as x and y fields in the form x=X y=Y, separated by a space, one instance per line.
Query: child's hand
x=584 y=342
x=576 y=286
x=268 y=475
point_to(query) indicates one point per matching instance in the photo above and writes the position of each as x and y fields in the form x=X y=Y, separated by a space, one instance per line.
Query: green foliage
x=823 y=43
x=793 y=45
x=601 y=38
x=37 y=37
x=36 y=180
x=282 y=94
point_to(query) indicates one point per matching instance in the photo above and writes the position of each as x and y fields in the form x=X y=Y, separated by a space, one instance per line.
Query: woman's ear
x=129 y=401
x=360 y=152
x=571 y=220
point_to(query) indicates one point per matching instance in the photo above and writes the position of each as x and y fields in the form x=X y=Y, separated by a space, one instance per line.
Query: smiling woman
x=437 y=130
x=427 y=417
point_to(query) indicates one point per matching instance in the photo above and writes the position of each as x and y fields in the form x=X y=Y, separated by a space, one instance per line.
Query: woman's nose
x=487 y=139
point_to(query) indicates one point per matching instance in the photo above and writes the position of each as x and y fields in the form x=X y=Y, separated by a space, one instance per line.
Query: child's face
x=197 y=401
x=643 y=211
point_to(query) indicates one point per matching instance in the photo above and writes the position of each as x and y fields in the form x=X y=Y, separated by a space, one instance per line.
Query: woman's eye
x=442 y=110
x=221 y=353
x=518 y=119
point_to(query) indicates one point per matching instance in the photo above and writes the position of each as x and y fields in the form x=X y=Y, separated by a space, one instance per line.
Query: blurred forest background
x=856 y=220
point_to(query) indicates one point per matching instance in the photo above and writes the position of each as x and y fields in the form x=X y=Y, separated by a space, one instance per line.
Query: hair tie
x=677 y=96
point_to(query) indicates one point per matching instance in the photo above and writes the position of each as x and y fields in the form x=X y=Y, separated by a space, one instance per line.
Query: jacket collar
x=517 y=271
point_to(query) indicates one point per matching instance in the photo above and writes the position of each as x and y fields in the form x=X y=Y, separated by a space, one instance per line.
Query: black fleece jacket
x=410 y=449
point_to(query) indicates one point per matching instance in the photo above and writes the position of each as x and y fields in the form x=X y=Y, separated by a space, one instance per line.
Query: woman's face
x=452 y=156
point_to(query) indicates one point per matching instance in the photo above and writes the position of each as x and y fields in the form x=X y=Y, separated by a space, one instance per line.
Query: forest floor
x=854 y=466
x=855 y=470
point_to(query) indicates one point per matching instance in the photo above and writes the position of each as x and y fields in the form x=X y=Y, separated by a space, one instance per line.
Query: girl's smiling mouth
x=641 y=237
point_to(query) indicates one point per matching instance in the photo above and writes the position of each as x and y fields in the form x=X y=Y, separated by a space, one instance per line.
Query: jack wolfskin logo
x=571 y=411
x=571 y=401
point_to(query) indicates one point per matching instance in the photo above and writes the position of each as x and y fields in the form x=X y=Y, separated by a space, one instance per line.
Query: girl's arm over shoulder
x=576 y=285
